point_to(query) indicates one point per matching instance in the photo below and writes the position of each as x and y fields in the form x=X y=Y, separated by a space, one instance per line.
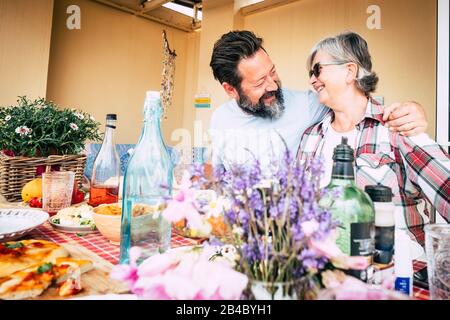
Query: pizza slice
x=32 y=282
x=72 y=285
x=28 y=283
x=24 y=254
x=64 y=267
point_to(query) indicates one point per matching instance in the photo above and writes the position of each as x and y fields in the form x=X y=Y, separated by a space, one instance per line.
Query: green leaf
x=45 y=267
x=56 y=221
x=14 y=245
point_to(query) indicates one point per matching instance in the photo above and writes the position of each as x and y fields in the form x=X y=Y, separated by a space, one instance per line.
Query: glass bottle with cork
x=353 y=210
x=104 y=187
x=147 y=184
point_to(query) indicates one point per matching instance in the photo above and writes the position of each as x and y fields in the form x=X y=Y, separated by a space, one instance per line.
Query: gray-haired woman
x=416 y=168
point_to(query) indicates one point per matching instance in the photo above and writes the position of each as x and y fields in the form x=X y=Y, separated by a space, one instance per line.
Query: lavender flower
x=269 y=212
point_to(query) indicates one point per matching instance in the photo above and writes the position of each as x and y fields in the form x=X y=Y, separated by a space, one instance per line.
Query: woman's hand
x=408 y=118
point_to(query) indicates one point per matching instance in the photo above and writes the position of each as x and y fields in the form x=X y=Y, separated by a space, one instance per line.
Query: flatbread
x=25 y=284
x=21 y=255
x=29 y=267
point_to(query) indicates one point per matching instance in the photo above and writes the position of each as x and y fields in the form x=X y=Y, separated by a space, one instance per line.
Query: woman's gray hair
x=350 y=47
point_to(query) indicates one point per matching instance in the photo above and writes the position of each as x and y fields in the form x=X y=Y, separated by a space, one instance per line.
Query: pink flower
x=350 y=262
x=157 y=264
x=124 y=273
x=127 y=273
x=352 y=289
x=329 y=249
x=182 y=205
x=183 y=274
x=180 y=287
x=326 y=247
x=150 y=288
x=309 y=227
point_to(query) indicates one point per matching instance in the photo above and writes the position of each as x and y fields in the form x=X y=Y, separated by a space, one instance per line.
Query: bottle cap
x=153 y=95
x=343 y=152
x=111 y=116
x=379 y=193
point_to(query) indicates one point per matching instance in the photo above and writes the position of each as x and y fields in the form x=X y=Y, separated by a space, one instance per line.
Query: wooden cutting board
x=94 y=282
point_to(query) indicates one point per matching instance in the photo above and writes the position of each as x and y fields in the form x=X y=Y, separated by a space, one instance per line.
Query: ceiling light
x=183 y=10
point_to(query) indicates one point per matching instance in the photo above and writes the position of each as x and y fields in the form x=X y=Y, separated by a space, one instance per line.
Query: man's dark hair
x=228 y=52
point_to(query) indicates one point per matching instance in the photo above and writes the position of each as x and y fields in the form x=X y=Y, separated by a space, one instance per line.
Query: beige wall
x=403 y=51
x=217 y=20
x=25 y=30
x=108 y=65
x=191 y=78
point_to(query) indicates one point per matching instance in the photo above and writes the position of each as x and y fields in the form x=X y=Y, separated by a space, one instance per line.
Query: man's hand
x=408 y=118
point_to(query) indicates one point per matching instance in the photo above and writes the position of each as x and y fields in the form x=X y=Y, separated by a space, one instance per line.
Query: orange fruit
x=32 y=189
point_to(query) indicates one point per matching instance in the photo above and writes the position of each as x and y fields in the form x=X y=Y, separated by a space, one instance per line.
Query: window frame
x=442 y=76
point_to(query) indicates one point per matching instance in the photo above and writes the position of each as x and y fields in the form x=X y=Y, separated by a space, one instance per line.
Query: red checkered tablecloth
x=420 y=293
x=95 y=242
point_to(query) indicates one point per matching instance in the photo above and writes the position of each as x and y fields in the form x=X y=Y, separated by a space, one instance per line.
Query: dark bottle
x=353 y=210
x=384 y=222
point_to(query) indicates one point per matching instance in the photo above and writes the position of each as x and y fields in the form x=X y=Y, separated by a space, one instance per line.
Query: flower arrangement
x=40 y=128
x=282 y=234
x=279 y=234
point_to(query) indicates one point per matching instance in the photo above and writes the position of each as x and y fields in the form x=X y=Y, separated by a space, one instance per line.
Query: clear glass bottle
x=104 y=186
x=353 y=209
x=147 y=183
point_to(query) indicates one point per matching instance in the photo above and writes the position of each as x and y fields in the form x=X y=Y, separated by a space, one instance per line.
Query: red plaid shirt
x=416 y=168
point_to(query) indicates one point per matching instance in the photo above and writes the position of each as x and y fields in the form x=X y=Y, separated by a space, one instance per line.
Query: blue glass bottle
x=147 y=182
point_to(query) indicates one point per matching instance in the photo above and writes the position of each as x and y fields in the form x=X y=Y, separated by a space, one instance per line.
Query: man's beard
x=273 y=111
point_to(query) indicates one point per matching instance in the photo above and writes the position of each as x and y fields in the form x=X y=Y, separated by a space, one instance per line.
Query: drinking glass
x=437 y=246
x=57 y=188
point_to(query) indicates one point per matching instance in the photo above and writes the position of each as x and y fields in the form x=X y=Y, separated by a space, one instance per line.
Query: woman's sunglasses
x=318 y=67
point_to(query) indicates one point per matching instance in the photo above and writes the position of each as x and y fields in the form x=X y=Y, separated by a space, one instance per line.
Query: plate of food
x=210 y=208
x=74 y=220
x=15 y=223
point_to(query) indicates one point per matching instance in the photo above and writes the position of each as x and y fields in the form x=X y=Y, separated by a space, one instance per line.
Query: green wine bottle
x=353 y=209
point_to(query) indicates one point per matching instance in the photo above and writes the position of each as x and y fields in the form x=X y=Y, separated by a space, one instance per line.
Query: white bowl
x=108 y=225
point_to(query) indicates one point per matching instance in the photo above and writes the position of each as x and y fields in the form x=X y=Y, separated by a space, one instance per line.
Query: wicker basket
x=15 y=172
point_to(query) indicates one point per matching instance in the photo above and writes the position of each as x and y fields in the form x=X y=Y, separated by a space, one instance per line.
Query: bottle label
x=403 y=285
x=361 y=238
x=362 y=244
